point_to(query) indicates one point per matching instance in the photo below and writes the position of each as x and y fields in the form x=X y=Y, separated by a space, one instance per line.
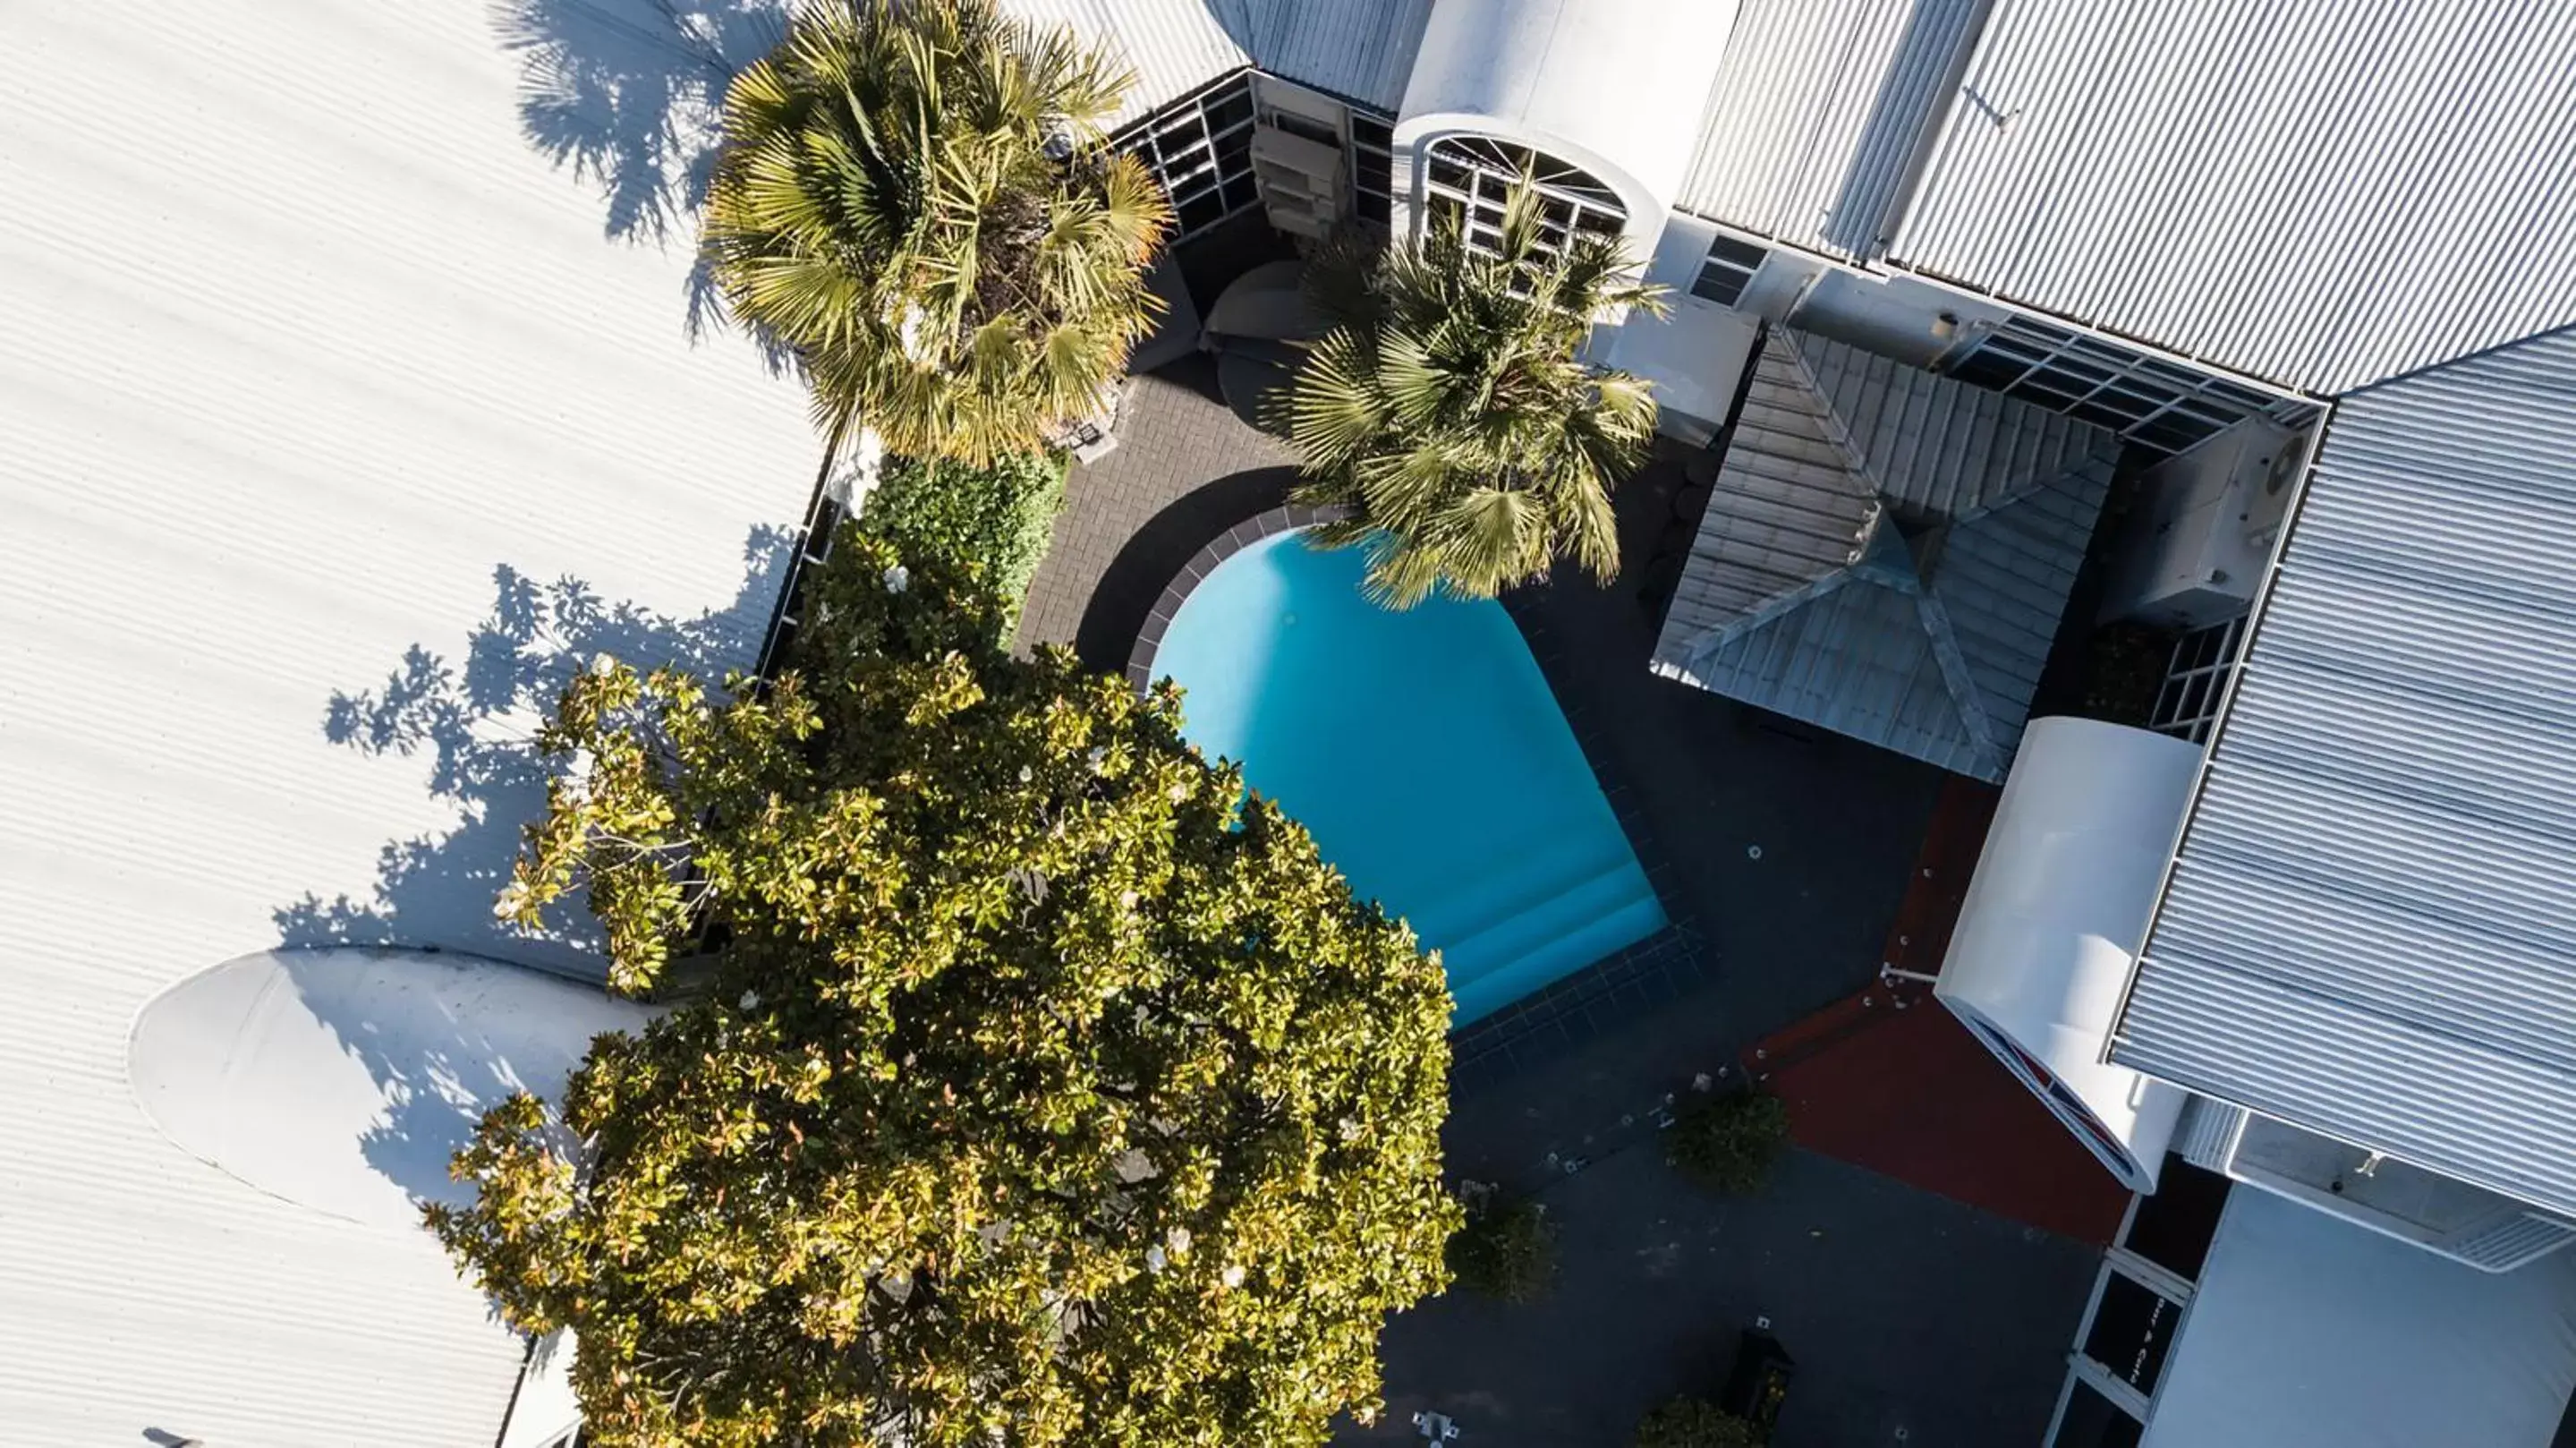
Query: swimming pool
x=1426 y=755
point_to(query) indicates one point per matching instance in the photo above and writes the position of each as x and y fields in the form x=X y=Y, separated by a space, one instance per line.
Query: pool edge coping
x=1654 y=968
x=1268 y=523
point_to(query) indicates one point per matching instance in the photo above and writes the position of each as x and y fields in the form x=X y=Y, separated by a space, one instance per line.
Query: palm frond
x=896 y=206
x=1335 y=412
x=1454 y=414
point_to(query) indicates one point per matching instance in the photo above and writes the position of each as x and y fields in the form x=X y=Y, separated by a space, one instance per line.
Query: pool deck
x=1783 y=853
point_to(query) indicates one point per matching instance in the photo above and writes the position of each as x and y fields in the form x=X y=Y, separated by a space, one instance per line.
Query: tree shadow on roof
x=629 y=95
x=473 y=723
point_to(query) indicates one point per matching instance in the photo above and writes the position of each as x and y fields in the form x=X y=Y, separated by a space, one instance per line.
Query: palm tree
x=1450 y=414
x=917 y=200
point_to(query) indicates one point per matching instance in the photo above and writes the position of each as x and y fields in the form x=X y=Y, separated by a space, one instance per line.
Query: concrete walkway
x=1185 y=469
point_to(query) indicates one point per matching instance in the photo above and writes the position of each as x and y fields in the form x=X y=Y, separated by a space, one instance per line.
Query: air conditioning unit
x=1300 y=179
x=2206 y=524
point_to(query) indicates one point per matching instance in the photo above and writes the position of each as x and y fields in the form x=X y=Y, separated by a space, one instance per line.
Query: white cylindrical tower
x=1604 y=99
x=2053 y=921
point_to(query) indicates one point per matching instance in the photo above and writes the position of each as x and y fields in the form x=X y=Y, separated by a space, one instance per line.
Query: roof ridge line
x=1695 y=655
x=1838 y=432
x=1956 y=678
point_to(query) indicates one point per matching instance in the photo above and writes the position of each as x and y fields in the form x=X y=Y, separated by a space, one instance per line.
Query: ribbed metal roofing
x=1821 y=113
x=1174 y=46
x=304 y=341
x=1361 y=50
x=1886 y=553
x=2323 y=194
x=2370 y=927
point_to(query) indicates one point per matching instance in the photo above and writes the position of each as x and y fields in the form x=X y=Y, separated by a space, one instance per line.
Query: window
x=2090 y=1420
x=2196 y=681
x=1200 y=149
x=2174 y=1227
x=2068 y=1107
x=2154 y=404
x=2132 y=1332
x=1469 y=179
x=1373 y=168
x=1728 y=270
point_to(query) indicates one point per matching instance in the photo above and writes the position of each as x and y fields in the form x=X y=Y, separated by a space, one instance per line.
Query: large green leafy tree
x=1450 y=414
x=916 y=198
x=1044 y=1089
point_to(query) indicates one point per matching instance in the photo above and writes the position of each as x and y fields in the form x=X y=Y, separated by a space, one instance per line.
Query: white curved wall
x=2059 y=904
x=1617 y=87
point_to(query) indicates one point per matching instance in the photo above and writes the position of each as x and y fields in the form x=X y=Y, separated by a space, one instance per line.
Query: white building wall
x=1696 y=354
x=300 y=341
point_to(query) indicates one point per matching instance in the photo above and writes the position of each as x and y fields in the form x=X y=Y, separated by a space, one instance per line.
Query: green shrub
x=994 y=522
x=1506 y=1250
x=1729 y=1141
x=1696 y=1423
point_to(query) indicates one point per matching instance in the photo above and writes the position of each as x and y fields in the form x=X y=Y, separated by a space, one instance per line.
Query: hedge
x=994 y=521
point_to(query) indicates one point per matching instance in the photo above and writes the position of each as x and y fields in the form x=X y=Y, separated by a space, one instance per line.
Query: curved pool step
x=1533 y=921
x=1635 y=918
x=1476 y=905
x=1549 y=928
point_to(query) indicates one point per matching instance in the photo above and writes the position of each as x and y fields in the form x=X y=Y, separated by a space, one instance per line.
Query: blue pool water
x=1426 y=755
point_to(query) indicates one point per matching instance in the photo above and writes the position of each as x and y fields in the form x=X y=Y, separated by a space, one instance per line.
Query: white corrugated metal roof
x=1174 y=46
x=2370 y=928
x=2323 y=194
x=1358 y=49
x=304 y=341
x=1819 y=114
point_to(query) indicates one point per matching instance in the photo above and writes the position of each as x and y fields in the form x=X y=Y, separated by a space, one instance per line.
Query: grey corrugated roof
x=1886 y=553
x=1362 y=49
x=2370 y=928
x=1821 y=112
x=2324 y=193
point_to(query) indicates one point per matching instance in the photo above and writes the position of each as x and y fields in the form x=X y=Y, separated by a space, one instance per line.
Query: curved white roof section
x=1616 y=87
x=345 y=1080
x=2060 y=899
x=306 y=343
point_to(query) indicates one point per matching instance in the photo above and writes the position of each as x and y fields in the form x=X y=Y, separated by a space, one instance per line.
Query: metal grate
x=2196 y=681
x=1200 y=148
x=1470 y=179
x=1728 y=270
x=2156 y=404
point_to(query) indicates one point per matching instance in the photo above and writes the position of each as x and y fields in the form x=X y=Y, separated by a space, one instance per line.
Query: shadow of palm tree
x=629 y=95
x=475 y=725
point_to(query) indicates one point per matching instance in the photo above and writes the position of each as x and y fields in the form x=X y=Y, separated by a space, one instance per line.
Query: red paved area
x=1889 y=1080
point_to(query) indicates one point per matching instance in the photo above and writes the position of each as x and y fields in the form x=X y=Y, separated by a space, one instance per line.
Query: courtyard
x=1781 y=854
